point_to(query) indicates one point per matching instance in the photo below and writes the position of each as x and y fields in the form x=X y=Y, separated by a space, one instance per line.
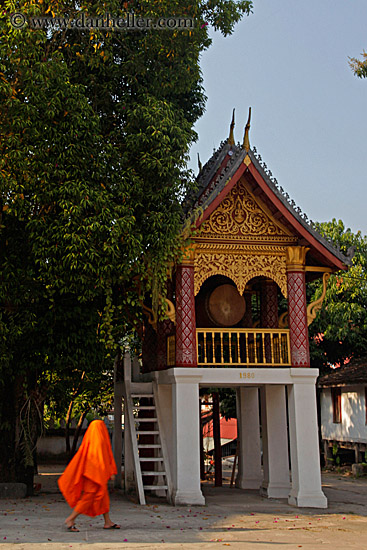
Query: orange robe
x=84 y=481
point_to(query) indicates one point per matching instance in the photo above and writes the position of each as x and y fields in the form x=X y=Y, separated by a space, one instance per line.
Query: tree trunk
x=77 y=432
x=69 y=413
x=7 y=433
x=217 y=445
x=20 y=426
x=67 y=427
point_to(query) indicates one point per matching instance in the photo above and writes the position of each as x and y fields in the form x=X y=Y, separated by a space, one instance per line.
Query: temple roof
x=354 y=373
x=226 y=166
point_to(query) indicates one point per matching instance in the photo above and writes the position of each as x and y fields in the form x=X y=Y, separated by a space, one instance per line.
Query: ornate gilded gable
x=242 y=217
x=241 y=263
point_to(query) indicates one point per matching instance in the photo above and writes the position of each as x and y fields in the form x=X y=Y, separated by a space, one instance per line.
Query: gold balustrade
x=250 y=347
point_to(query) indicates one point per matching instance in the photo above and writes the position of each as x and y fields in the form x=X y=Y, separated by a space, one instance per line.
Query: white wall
x=54 y=445
x=353 y=425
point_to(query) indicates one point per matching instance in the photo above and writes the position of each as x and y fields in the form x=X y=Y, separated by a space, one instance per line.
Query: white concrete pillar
x=186 y=441
x=276 y=483
x=164 y=410
x=248 y=433
x=129 y=472
x=163 y=403
x=305 y=455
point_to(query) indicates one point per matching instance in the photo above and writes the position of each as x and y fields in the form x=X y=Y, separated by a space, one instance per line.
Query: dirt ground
x=239 y=519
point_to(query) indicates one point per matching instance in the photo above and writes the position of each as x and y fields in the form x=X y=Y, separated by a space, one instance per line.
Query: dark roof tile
x=353 y=373
x=209 y=188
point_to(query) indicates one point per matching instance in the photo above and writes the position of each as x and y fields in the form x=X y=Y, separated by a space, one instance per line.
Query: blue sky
x=289 y=62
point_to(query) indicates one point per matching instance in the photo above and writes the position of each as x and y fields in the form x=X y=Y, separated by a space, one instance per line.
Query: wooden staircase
x=149 y=452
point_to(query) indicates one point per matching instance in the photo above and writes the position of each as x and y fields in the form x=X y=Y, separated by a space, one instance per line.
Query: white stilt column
x=164 y=404
x=117 y=429
x=248 y=430
x=305 y=456
x=185 y=432
x=129 y=472
x=276 y=483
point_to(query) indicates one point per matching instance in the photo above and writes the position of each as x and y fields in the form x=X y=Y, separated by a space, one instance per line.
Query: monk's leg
x=108 y=523
x=70 y=520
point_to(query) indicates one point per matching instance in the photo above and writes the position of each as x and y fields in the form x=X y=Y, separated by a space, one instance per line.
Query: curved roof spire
x=199 y=164
x=231 y=130
x=246 y=137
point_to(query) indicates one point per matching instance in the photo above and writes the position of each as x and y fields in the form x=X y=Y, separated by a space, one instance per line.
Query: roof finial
x=246 y=137
x=199 y=164
x=231 y=128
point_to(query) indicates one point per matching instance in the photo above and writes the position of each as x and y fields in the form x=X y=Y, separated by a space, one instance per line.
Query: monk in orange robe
x=84 y=481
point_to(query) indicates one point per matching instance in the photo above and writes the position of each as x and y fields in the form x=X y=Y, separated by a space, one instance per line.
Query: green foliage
x=96 y=128
x=340 y=329
x=227 y=400
x=227 y=405
x=359 y=66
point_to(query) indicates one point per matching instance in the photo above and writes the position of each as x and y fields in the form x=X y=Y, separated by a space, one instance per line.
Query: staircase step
x=144 y=465
x=150 y=459
x=155 y=487
x=141 y=387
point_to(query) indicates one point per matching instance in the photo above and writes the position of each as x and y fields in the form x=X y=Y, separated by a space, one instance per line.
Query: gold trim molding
x=296 y=258
x=188 y=255
x=247 y=160
x=314 y=307
x=241 y=264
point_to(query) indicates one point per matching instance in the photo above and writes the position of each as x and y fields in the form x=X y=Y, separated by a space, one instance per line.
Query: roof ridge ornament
x=246 y=137
x=199 y=164
x=231 y=130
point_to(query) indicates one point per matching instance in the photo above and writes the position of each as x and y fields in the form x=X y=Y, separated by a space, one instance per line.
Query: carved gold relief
x=188 y=254
x=315 y=307
x=170 y=312
x=241 y=264
x=247 y=161
x=296 y=258
x=283 y=320
x=241 y=216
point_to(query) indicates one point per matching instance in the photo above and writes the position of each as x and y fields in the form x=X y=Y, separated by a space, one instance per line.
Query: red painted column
x=268 y=312
x=247 y=320
x=297 y=306
x=185 y=316
x=269 y=304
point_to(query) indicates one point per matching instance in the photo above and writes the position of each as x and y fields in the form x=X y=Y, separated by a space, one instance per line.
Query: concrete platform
x=240 y=519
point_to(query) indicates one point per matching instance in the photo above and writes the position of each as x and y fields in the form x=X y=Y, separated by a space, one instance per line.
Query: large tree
x=340 y=329
x=95 y=131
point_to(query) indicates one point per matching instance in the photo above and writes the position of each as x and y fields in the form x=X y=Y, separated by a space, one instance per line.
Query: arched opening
x=235 y=329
